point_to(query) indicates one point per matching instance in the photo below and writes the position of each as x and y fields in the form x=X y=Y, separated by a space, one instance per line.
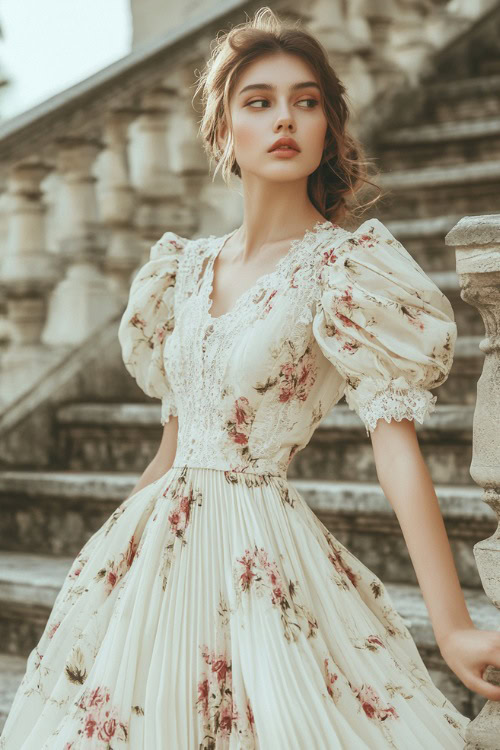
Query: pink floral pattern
x=254 y=571
x=115 y=569
x=100 y=720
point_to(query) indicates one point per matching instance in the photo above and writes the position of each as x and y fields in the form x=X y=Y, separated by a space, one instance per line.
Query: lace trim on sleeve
x=395 y=402
x=168 y=409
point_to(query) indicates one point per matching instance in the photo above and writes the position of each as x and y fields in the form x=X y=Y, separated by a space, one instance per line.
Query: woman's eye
x=254 y=101
x=314 y=103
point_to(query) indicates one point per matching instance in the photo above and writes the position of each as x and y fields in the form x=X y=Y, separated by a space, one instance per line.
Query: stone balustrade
x=476 y=240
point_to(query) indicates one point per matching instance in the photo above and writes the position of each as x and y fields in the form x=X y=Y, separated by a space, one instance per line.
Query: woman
x=213 y=609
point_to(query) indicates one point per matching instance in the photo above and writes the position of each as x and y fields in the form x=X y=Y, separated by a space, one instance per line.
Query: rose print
x=113 y=571
x=215 y=696
x=137 y=322
x=269 y=306
x=335 y=557
x=256 y=572
x=216 y=706
x=296 y=378
x=100 y=719
x=240 y=422
x=375 y=710
x=179 y=519
x=330 y=679
x=52 y=629
x=371 y=704
x=412 y=316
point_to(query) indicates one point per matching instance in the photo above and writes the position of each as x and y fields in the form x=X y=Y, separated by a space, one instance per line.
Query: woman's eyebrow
x=269 y=87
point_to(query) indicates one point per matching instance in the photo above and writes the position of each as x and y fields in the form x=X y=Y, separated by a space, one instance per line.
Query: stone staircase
x=441 y=159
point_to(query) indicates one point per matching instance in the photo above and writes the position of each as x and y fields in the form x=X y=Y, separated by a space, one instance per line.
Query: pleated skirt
x=214 y=610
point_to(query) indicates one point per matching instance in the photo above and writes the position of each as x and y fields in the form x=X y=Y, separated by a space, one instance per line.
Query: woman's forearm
x=153 y=471
x=408 y=486
x=164 y=457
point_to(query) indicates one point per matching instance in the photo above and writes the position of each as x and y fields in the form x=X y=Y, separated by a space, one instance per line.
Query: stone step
x=440 y=144
x=56 y=512
x=12 y=669
x=467 y=189
x=473 y=51
x=463 y=99
x=29 y=584
x=467 y=317
x=340 y=449
x=425 y=240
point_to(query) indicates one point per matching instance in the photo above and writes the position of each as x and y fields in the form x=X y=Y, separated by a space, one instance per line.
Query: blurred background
x=99 y=156
x=46 y=47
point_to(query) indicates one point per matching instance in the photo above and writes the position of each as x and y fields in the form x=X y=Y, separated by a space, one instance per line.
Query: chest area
x=266 y=320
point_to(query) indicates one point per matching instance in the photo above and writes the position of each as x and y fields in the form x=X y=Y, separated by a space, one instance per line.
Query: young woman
x=213 y=609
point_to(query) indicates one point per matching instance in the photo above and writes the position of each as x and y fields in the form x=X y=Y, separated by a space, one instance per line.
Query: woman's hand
x=468 y=652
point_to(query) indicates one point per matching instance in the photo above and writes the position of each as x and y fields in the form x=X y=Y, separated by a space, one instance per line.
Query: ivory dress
x=213 y=610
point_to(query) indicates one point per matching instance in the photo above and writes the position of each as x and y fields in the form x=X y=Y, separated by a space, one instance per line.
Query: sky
x=49 y=45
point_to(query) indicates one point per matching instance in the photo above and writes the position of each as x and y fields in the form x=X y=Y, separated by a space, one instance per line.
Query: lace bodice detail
x=341 y=313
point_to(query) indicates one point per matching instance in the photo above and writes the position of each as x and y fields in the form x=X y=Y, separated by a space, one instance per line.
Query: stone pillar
x=345 y=33
x=116 y=200
x=158 y=189
x=410 y=48
x=476 y=240
x=82 y=300
x=190 y=163
x=27 y=270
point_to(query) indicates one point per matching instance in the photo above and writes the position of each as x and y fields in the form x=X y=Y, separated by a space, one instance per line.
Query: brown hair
x=342 y=171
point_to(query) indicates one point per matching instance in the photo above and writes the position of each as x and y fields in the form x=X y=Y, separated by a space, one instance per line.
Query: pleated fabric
x=213 y=609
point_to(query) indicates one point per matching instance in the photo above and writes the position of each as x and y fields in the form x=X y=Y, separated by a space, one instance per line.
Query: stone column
x=476 y=240
x=410 y=48
x=27 y=270
x=116 y=201
x=158 y=189
x=344 y=31
x=82 y=300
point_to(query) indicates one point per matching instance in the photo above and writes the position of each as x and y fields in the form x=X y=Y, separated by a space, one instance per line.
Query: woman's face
x=284 y=100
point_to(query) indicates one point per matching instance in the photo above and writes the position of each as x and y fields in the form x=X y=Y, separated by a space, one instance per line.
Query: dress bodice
x=342 y=313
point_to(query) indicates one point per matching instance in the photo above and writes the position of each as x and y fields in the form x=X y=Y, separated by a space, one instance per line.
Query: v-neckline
x=217 y=249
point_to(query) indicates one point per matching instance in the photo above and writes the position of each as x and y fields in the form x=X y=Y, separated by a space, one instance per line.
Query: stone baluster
x=158 y=189
x=82 y=301
x=27 y=271
x=409 y=48
x=476 y=240
x=116 y=202
x=344 y=31
x=469 y=9
x=185 y=151
x=443 y=24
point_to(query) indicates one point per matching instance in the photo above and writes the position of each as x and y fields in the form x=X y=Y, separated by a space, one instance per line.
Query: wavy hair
x=343 y=170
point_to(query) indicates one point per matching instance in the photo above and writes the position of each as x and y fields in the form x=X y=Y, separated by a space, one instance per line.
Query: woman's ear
x=222 y=136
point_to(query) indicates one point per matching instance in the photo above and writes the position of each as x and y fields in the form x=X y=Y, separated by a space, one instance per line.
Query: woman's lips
x=284 y=151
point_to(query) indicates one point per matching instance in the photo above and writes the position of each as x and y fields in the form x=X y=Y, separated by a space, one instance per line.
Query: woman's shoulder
x=170 y=243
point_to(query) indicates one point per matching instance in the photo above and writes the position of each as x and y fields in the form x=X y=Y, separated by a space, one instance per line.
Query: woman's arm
x=407 y=484
x=163 y=458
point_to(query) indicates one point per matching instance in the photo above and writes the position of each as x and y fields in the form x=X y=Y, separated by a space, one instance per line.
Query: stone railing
x=93 y=176
x=476 y=240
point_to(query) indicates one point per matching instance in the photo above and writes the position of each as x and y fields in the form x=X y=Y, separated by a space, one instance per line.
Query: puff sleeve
x=384 y=325
x=148 y=321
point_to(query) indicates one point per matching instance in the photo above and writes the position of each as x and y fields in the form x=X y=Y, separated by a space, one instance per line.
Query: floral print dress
x=213 y=610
